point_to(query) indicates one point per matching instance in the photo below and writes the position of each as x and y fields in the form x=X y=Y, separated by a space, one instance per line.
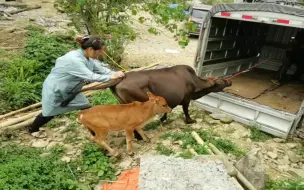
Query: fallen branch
x=19 y=119
x=25 y=9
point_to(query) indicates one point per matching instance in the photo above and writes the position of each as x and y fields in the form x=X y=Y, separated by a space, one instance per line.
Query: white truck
x=236 y=37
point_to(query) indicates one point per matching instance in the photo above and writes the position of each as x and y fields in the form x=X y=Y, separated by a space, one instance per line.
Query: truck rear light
x=225 y=14
x=282 y=21
x=247 y=17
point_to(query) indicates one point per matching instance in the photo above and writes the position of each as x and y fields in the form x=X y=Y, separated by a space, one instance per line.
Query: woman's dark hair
x=90 y=41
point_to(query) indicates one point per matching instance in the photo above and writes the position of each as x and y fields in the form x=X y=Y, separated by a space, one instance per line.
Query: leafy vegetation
x=258 y=135
x=103 y=97
x=224 y=145
x=289 y=184
x=22 y=75
x=26 y=168
x=164 y=150
x=152 y=126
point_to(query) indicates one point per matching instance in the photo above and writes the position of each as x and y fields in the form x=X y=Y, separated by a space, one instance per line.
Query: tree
x=104 y=17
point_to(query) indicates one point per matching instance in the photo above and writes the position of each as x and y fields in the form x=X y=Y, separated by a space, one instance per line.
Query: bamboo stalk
x=87 y=93
x=200 y=141
x=20 y=110
x=19 y=119
x=18 y=126
x=216 y=151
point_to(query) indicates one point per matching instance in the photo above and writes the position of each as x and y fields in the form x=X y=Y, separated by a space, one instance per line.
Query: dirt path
x=149 y=48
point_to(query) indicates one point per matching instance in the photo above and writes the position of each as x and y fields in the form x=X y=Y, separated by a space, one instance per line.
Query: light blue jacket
x=71 y=71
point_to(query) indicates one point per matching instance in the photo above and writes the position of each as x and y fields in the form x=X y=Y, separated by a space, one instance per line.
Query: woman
x=69 y=74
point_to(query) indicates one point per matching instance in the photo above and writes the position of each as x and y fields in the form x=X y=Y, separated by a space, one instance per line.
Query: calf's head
x=160 y=104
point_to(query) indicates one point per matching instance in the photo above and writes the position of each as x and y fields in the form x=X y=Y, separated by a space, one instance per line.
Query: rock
x=119 y=141
x=278 y=140
x=293 y=157
x=126 y=163
x=283 y=167
x=68 y=147
x=284 y=161
x=166 y=143
x=212 y=121
x=236 y=125
x=45 y=154
x=227 y=119
x=252 y=168
x=66 y=159
x=199 y=120
x=218 y=116
x=52 y=144
x=272 y=155
x=40 y=143
x=196 y=126
x=291 y=145
x=72 y=152
x=296 y=172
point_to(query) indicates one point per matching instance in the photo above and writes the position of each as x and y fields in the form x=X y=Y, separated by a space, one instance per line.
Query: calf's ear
x=150 y=95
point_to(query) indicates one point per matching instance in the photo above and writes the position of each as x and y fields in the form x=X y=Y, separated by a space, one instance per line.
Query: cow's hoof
x=190 y=121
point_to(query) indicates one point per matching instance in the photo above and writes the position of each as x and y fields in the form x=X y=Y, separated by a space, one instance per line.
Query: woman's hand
x=117 y=75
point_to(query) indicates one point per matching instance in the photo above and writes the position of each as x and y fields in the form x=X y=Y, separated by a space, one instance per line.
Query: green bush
x=24 y=168
x=23 y=75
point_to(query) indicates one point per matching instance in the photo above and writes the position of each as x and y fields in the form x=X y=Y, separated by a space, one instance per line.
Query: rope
x=115 y=62
x=239 y=73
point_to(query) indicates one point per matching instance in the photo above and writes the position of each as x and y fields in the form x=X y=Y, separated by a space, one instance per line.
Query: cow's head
x=220 y=84
x=160 y=104
x=204 y=83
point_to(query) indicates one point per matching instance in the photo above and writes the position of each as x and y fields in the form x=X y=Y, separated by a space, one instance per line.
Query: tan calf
x=104 y=118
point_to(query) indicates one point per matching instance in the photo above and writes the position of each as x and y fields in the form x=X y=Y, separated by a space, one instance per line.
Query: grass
x=186 y=155
x=224 y=145
x=259 y=136
x=152 y=126
x=289 y=184
x=103 y=97
x=23 y=168
x=164 y=150
x=184 y=136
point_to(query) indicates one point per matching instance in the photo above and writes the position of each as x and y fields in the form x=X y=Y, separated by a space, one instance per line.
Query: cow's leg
x=100 y=138
x=185 y=105
x=142 y=134
x=129 y=137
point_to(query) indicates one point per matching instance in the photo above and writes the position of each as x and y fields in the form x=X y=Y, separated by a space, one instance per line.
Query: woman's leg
x=39 y=121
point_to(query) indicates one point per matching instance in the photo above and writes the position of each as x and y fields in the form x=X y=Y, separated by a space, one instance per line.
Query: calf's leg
x=100 y=138
x=142 y=134
x=129 y=137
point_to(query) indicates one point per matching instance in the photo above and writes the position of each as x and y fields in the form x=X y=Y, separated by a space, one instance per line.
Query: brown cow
x=178 y=85
x=104 y=118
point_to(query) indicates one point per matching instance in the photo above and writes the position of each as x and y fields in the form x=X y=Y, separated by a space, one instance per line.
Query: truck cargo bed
x=257 y=87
